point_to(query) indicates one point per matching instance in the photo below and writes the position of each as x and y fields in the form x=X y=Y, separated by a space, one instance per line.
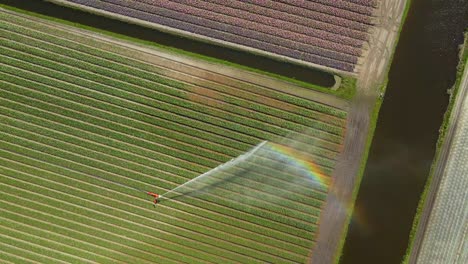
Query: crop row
x=331 y=10
x=229 y=37
x=241 y=18
x=103 y=198
x=265 y=11
x=188 y=212
x=93 y=209
x=348 y=5
x=272 y=34
x=228 y=189
x=181 y=112
x=103 y=202
x=300 y=11
x=107 y=163
x=96 y=127
x=227 y=93
x=110 y=156
x=175 y=102
x=63 y=38
x=130 y=128
x=142 y=79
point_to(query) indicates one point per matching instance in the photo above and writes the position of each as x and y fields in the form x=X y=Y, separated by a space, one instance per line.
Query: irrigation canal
x=403 y=148
x=404 y=143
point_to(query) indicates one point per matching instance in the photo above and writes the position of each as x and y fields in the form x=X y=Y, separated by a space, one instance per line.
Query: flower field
x=83 y=117
x=322 y=32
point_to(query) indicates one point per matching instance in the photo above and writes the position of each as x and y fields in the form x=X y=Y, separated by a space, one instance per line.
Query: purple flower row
x=326 y=9
x=372 y=3
x=303 y=12
x=242 y=28
x=238 y=18
x=244 y=37
x=343 y=4
x=296 y=20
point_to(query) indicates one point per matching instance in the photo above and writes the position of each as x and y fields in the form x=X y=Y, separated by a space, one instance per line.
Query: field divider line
x=105 y=129
x=214 y=128
x=169 y=173
x=80 y=138
x=4 y=245
x=12 y=231
x=132 y=222
x=120 y=194
x=9 y=236
x=314 y=156
x=116 y=132
x=25 y=260
x=107 y=103
x=216 y=196
x=51 y=216
x=185 y=213
x=244 y=76
x=104 y=146
x=230 y=209
x=215 y=119
x=165 y=76
x=61 y=235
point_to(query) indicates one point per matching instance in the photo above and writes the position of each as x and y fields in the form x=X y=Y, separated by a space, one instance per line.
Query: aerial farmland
x=119 y=146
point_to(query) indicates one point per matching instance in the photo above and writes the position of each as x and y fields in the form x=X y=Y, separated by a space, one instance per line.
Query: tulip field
x=83 y=117
x=322 y=32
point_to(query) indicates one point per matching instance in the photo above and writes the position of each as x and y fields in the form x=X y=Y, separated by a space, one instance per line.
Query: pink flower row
x=288 y=48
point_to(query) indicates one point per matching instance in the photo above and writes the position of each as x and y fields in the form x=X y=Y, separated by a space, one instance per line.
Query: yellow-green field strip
x=79 y=116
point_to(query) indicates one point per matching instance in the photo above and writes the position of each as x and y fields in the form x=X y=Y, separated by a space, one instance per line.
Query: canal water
x=403 y=148
x=423 y=69
x=238 y=57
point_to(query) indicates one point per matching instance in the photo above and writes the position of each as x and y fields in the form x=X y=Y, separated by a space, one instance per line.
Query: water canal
x=423 y=69
x=401 y=154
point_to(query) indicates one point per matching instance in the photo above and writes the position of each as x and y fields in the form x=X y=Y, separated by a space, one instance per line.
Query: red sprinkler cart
x=156 y=196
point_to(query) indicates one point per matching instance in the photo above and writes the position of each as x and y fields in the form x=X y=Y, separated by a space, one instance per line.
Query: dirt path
x=372 y=74
x=439 y=170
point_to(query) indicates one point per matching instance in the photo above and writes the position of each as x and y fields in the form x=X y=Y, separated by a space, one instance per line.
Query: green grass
x=75 y=110
x=440 y=142
x=347 y=89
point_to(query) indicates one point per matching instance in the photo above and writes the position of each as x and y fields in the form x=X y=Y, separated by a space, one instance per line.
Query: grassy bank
x=370 y=136
x=440 y=142
x=347 y=89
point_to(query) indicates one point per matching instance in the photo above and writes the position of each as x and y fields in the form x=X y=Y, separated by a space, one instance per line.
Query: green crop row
x=125 y=103
x=103 y=233
x=92 y=111
x=98 y=186
x=143 y=75
x=255 y=207
x=248 y=129
x=71 y=54
x=213 y=206
x=72 y=196
x=101 y=158
x=53 y=32
x=71 y=102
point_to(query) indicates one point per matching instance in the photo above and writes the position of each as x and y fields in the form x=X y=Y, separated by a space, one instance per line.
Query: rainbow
x=310 y=169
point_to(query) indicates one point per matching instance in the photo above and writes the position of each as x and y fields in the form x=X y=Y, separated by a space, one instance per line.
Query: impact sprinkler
x=156 y=197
